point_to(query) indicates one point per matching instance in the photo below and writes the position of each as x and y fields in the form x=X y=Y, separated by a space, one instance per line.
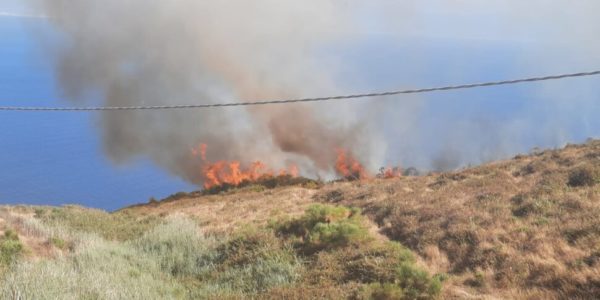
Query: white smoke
x=153 y=52
x=144 y=52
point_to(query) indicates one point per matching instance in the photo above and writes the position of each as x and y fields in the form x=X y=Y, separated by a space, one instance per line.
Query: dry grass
x=525 y=228
x=225 y=213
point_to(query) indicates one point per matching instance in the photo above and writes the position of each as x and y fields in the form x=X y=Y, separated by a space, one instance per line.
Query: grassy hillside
x=526 y=228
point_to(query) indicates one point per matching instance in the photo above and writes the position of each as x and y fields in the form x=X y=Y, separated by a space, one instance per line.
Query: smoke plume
x=153 y=52
x=143 y=52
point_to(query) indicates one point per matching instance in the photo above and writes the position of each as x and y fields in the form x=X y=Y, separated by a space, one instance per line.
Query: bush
x=324 y=235
x=177 y=246
x=253 y=261
x=341 y=251
x=326 y=227
x=584 y=176
x=417 y=284
x=411 y=283
x=392 y=275
x=10 y=248
x=375 y=263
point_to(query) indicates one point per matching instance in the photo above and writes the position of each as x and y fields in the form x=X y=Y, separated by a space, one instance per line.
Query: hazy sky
x=13 y=7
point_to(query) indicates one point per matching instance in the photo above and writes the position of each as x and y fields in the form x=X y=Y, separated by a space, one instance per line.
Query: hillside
x=525 y=228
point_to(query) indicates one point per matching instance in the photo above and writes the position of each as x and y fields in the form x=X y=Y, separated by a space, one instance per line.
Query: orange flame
x=347 y=166
x=201 y=151
x=389 y=173
x=233 y=173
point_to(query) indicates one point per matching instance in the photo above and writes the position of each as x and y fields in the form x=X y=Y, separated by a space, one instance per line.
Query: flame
x=347 y=166
x=233 y=173
x=200 y=151
x=294 y=171
x=388 y=173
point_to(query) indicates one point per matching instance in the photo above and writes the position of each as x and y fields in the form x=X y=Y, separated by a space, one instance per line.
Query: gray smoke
x=154 y=52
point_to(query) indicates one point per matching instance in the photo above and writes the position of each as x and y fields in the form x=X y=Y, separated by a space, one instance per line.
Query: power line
x=318 y=99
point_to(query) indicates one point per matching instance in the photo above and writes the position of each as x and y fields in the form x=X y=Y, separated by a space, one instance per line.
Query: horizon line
x=18 y=15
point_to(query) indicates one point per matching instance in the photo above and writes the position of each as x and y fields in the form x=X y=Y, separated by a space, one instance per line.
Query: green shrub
x=417 y=284
x=375 y=263
x=10 y=248
x=337 y=234
x=253 y=261
x=411 y=283
x=387 y=271
x=352 y=256
x=326 y=227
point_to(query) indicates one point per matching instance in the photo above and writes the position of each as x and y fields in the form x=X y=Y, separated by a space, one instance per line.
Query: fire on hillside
x=234 y=173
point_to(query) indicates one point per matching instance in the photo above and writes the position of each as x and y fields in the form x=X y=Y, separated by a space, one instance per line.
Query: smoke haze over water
x=164 y=52
x=151 y=52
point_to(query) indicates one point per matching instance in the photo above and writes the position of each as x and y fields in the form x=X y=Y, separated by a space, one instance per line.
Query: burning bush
x=222 y=176
x=227 y=174
x=264 y=182
x=348 y=167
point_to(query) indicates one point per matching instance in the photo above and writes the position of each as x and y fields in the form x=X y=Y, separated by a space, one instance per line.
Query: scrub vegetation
x=525 y=228
x=173 y=258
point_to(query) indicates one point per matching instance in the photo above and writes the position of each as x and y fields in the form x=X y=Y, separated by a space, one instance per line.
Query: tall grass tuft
x=178 y=247
x=99 y=270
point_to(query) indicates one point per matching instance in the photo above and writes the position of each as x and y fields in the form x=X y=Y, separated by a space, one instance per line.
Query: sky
x=14 y=7
x=58 y=158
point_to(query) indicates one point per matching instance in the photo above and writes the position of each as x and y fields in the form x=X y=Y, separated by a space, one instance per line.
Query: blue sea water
x=56 y=158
